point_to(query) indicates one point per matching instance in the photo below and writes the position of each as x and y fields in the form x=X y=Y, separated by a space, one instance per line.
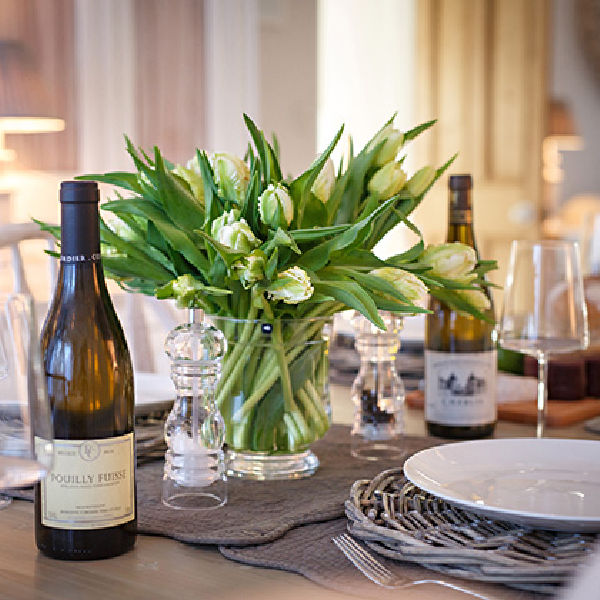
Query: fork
x=370 y=567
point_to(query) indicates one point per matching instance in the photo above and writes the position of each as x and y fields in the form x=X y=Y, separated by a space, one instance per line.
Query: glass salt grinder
x=195 y=467
x=378 y=391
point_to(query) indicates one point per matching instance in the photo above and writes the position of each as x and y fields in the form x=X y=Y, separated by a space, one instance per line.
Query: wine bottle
x=86 y=506
x=460 y=350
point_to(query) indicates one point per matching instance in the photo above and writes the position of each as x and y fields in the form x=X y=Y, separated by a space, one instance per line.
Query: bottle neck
x=80 y=264
x=460 y=218
x=79 y=233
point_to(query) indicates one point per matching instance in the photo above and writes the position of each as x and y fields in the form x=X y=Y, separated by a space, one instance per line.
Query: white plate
x=544 y=483
x=153 y=392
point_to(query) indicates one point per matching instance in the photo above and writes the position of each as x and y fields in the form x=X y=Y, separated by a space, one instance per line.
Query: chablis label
x=460 y=387
x=91 y=484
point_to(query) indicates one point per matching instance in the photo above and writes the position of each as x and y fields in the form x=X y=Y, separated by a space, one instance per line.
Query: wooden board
x=560 y=412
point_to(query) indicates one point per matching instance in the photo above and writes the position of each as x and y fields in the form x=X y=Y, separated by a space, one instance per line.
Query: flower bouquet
x=271 y=259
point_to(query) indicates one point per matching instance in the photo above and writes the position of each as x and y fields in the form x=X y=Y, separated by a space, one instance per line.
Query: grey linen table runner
x=258 y=511
x=309 y=551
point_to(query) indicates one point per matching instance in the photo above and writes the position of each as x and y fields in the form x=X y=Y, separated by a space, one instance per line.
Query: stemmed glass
x=26 y=447
x=544 y=307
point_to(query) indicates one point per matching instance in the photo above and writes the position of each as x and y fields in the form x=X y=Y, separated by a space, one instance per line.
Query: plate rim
x=497 y=510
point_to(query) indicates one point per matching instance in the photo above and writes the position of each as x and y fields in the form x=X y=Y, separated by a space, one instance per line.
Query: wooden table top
x=163 y=568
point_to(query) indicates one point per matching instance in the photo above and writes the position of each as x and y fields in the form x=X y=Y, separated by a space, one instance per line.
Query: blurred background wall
x=179 y=74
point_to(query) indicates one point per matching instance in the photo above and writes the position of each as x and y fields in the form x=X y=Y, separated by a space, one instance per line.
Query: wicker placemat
x=400 y=521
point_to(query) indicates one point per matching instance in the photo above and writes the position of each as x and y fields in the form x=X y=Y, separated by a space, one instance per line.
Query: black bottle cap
x=459 y=183
x=79 y=192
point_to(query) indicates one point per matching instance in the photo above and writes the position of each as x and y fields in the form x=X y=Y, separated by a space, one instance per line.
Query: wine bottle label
x=91 y=484
x=460 y=216
x=460 y=387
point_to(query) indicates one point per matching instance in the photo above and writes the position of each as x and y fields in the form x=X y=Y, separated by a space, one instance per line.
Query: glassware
x=544 y=307
x=378 y=391
x=195 y=468
x=26 y=446
x=274 y=395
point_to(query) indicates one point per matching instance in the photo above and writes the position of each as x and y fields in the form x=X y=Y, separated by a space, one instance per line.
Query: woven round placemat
x=398 y=520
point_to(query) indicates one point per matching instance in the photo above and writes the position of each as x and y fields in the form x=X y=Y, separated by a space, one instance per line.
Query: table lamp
x=22 y=97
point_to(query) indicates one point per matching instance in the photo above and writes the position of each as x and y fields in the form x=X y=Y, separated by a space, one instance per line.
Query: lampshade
x=560 y=119
x=23 y=99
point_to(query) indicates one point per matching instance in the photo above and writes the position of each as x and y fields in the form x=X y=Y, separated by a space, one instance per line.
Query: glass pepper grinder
x=378 y=391
x=195 y=469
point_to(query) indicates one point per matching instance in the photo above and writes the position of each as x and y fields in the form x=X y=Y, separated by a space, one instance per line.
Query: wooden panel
x=46 y=27
x=508 y=85
x=482 y=73
x=169 y=94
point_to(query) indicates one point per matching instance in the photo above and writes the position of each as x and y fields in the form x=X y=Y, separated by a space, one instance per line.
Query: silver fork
x=370 y=567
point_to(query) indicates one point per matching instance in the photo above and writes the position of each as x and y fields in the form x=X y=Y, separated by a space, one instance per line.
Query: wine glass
x=26 y=447
x=544 y=307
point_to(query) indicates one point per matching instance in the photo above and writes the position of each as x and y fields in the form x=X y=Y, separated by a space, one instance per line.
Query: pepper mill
x=195 y=467
x=378 y=391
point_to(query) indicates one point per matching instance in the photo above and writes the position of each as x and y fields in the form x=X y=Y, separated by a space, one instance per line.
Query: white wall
x=572 y=79
x=366 y=62
x=366 y=73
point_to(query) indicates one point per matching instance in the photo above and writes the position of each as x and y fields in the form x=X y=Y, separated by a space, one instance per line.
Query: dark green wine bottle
x=86 y=507
x=460 y=350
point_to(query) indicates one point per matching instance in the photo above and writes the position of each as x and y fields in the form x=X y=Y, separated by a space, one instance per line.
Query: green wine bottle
x=86 y=507
x=460 y=350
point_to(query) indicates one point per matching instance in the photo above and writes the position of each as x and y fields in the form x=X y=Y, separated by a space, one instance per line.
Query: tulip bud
x=232 y=176
x=420 y=181
x=292 y=286
x=450 y=261
x=192 y=175
x=476 y=298
x=275 y=207
x=185 y=289
x=405 y=282
x=387 y=181
x=252 y=268
x=228 y=218
x=323 y=185
x=237 y=235
x=393 y=140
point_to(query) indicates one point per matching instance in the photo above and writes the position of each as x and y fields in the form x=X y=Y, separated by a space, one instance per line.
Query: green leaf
x=357 y=258
x=408 y=256
x=213 y=205
x=314 y=233
x=386 y=303
x=179 y=203
x=127 y=266
x=315 y=212
x=53 y=230
x=173 y=235
x=415 y=131
x=300 y=188
x=372 y=282
x=268 y=157
x=122 y=179
x=154 y=269
x=271 y=267
x=453 y=300
x=318 y=256
x=228 y=255
x=353 y=296
x=280 y=238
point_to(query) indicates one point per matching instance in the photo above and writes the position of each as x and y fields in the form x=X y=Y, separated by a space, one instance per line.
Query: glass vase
x=274 y=395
